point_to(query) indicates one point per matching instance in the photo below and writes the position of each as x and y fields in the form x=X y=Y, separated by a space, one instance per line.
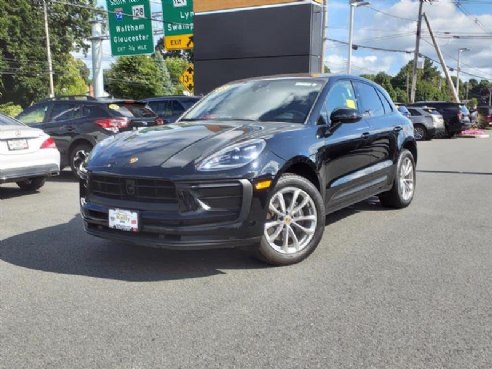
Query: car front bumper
x=203 y=215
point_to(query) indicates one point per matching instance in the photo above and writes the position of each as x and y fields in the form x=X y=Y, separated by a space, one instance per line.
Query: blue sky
x=471 y=20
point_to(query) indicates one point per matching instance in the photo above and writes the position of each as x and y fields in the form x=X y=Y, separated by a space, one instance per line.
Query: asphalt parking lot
x=385 y=288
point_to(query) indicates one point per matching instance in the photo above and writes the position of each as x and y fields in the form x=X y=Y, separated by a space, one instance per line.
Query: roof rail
x=71 y=97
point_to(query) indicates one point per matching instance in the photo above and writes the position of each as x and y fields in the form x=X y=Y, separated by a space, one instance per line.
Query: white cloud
x=384 y=31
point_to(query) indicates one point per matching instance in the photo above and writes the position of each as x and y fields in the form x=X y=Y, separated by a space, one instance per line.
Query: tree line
x=430 y=85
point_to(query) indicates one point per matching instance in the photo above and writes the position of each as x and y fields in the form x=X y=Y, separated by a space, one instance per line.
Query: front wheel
x=31 y=184
x=401 y=194
x=294 y=223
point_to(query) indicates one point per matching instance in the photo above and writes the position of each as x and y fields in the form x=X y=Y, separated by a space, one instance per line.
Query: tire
x=420 y=132
x=294 y=191
x=449 y=134
x=403 y=190
x=77 y=156
x=31 y=184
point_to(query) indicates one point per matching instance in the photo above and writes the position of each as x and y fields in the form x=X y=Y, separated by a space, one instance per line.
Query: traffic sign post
x=130 y=27
x=187 y=78
x=178 y=24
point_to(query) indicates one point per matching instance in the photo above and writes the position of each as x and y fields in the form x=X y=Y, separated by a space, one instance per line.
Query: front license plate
x=124 y=220
x=20 y=144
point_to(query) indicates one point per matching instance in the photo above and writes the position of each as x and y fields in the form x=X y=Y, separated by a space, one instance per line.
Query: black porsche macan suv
x=256 y=162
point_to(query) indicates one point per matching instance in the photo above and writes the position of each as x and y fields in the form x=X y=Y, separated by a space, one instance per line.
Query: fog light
x=262 y=185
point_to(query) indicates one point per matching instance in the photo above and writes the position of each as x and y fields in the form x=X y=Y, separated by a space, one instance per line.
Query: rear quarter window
x=131 y=110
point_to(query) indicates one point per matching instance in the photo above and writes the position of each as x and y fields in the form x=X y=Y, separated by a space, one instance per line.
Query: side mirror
x=345 y=115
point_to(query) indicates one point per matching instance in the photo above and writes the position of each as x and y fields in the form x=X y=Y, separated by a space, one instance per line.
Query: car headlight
x=234 y=156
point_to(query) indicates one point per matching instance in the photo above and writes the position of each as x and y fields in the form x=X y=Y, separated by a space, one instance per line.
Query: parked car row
x=77 y=124
x=436 y=118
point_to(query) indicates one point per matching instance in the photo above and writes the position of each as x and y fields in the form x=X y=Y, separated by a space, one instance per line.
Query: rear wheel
x=401 y=194
x=450 y=134
x=77 y=157
x=419 y=132
x=295 y=221
x=31 y=184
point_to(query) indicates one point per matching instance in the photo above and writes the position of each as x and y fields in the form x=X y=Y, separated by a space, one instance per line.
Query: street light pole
x=458 y=70
x=48 y=49
x=353 y=4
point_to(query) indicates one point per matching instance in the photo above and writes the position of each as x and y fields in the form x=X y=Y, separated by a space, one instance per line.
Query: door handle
x=397 y=129
x=365 y=135
x=70 y=128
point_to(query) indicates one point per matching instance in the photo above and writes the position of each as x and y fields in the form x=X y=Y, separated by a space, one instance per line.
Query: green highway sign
x=178 y=19
x=130 y=27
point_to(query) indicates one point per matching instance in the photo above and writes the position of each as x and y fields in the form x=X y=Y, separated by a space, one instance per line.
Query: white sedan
x=27 y=155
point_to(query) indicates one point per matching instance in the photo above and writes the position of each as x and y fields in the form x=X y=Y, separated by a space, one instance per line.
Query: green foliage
x=176 y=67
x=472 y=103
x=69 y=80
x=136 y=77
x=166 y=78
x=10 y=109
x=24 y=67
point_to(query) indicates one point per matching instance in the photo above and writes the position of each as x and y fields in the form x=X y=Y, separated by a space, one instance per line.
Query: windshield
x=403 y=109
x=464 y=109
x=7 y=121
x=278 y=100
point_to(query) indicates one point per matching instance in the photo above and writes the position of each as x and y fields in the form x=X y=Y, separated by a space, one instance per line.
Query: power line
x=390 y=15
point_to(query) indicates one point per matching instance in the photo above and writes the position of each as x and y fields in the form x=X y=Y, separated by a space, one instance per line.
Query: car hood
x=178 y=145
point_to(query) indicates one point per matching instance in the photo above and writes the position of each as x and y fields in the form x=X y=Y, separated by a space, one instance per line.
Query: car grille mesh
x=133 y=189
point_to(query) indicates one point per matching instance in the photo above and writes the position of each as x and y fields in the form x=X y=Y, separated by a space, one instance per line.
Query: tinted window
x=464 y=109
x=371 y=103
x=340 y=96
x=414 y=112
x=7 y=121
x=62 y=111
x=35 y=114
x=276 y=100
x=176 y=107
x=93 y=111
x=386 y=104
x=159 y=107
x=131 y=110
x=188 y=103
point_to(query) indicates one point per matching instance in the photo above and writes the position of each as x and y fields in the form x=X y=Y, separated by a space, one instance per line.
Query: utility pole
x=441 y=59
x=324 y=21
x=97 y=71
x=416 y=56
x=48 y=49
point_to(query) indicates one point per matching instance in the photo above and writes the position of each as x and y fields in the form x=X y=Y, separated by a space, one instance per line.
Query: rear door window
x=62 y=111
x=414 y=112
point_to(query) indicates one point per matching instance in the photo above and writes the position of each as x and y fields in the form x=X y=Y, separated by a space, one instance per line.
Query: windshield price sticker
x=123 y=220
